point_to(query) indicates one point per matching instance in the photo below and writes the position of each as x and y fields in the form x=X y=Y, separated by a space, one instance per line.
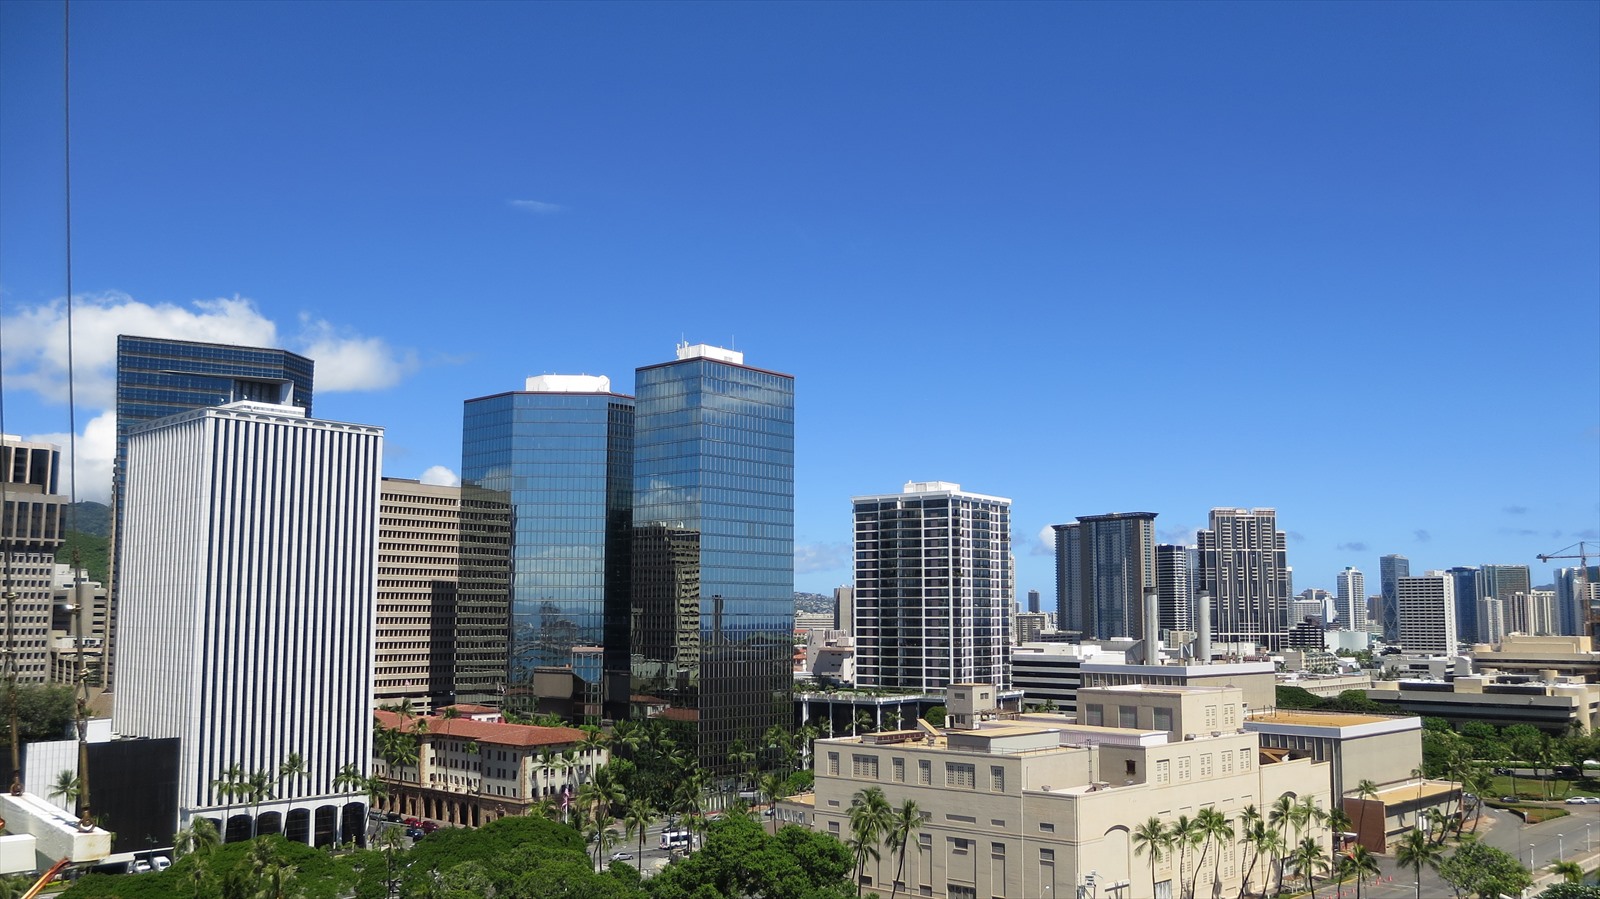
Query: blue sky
x=1339 y=259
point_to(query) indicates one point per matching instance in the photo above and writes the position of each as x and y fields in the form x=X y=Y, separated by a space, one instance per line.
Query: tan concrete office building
x=1034 y=806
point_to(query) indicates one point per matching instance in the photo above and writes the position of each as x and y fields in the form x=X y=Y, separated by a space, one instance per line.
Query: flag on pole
x=566 y=798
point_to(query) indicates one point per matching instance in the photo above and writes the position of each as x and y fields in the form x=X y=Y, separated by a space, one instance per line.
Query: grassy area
x=1531 y=814
x=1534 y=788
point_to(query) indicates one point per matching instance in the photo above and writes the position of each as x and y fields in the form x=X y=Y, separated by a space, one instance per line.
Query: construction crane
x=1591 y=615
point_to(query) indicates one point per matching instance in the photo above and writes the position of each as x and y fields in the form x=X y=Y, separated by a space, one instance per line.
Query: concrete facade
x=1039 y=806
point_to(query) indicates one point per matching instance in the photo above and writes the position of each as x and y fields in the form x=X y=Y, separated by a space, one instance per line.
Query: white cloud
x=440 y=476
x=537 y=207
x=1044 y=543
x=97 y=448
x=36 y=339
x=813 y=557
x=349 y=362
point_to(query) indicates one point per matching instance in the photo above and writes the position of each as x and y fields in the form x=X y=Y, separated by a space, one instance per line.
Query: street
x=1570 y=838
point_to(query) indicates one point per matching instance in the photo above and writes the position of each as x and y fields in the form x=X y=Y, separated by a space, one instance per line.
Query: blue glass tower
x=561 y=452
x=713 y=545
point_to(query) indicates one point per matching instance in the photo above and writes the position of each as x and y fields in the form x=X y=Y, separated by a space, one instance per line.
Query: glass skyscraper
x=713 y=546
x=157 y=377
x=561 y=452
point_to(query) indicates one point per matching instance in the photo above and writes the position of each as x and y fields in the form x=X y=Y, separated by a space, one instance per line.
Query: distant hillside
x=95 y=553
x=90 y=518
x=813 y=602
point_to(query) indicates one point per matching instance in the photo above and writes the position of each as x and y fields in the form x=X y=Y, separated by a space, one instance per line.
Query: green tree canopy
x=1476 y=869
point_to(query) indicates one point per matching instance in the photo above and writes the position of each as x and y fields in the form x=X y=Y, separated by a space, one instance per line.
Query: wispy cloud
x=1354 y=547
x=814 y=557
x=537 y=207
x=1296 y=536
x=1518 y=532
x=1590 y=534
x=440 y=476
x=1421 y=535
x=1514 y=510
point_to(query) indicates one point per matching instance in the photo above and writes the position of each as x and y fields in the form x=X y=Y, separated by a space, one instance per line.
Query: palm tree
x=1339 y=824
x=870 y=814
x=66 y=788
x=258 y=789
x=804 y=737
x=778 y=739
x=772 y=785
x=862 y=721
x=1309 y=857
x=1186 y=832
x=1152 y=838
x=1261 y=841
x=1571 y=872
x=1416 y=851
x=1279 y=817
x=200 y=837
x=1366 y=791
x=739 y=756
x=637 y=819
x=229 y=784
x=276 y=882
x=1215 y=826
x=293 y=766
x=1361 y=863
x=904 y=823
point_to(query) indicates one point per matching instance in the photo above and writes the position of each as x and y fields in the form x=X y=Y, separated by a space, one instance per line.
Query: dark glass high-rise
x=561 y=453
x=713 y=546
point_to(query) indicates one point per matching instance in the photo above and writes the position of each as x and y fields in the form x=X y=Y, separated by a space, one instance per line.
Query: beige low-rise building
x=472 y=769
x=1038 y=805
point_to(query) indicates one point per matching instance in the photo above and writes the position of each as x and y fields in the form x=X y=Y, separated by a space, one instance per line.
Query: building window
x=1047 y=855
x=1046 y=827
x=833 y=827
x=864 y=766
x=1094 y=714
x=1205 y=764
x=1130 y=767
x=959 y=845
x=957 y=774
x=1244 y=760
x=1227 y=763
x=1211 y=717
x=997 y=850
x=833 y=764
x=1163 y=771
x=924 y=772
x=959 y=891
x=1163 y=719
x=1183 y=768
x=899 y=766
x=1127 y=716
x=997 y=778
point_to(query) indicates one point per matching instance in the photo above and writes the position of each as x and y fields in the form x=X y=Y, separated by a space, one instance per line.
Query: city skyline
x=1077 y=186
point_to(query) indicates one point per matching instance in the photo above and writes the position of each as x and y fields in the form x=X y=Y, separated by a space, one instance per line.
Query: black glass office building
x=713 y=546
x=157 y=377
x=562 y=454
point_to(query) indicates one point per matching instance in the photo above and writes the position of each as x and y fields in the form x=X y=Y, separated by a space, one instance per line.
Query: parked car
x=413 y=822
x=140 y=866
x=1508 y=799
x=1578 y=800
x=161 y=863
x=622 y=856
x=430 y=826
x=415 y=833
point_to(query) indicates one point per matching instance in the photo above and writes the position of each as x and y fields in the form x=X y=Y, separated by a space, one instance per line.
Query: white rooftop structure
x=707 y=351
x=569 y=384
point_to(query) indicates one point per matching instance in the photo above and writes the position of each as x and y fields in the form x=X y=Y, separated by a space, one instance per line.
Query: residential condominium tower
x=1116 y=560
x=1466 y=590
x=1244 y=566
x=1391 y=569
x=712 y=612
x=560 y=452
x=157 y=377
x=1174 y=587
x=1351 y=587
x=249 y=574
x=933 y=588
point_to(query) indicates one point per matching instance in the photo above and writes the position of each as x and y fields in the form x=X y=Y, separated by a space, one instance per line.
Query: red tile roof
x=474 y=709
x=484 y=731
